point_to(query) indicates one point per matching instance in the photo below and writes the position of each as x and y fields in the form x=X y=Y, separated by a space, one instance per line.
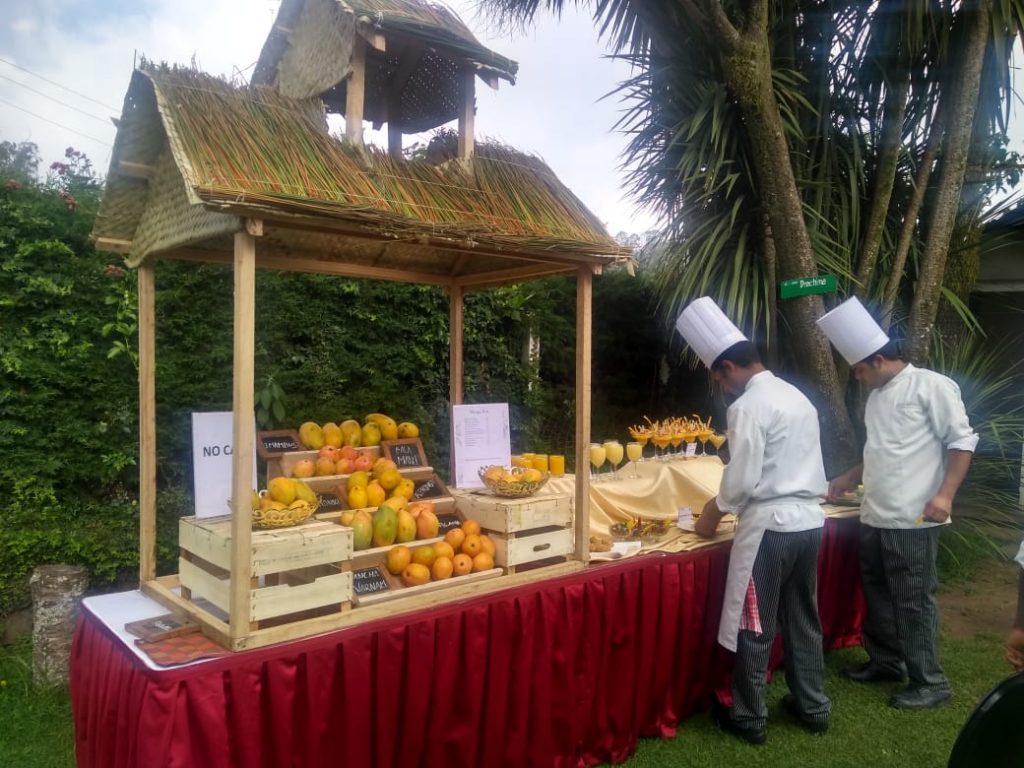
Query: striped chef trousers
x=785 y=577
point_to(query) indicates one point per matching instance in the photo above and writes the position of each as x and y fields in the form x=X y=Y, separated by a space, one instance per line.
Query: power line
x=63 y=87
x=54 y=122
x=54 y=99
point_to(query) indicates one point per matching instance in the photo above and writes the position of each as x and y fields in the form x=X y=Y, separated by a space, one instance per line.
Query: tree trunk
x=747 y=66
x=959 y=123
x=56 y=590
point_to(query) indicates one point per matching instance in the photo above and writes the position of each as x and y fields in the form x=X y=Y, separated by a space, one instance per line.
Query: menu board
x=482 y=438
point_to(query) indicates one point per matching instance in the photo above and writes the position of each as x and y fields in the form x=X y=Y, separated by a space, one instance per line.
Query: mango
x=385 y=526
x=442 y=568
x=415 y=574
x=408 y=429
x=375 y=495
x=332 y=434
x=406 y=487
x=311 y=436
x=387 y=425
x=356 y=497
x=362 y=530
x=358 y=479
x=406 y=526
x=304 y=468
x=389 y=479
x=256 y=500
x=398 y=560
x=352 y=433
x=304 y=492
x=424 y=555
x=347 y=516
x=427 y=525
x=324 y=467
x=397 y=502
x=382 y=465
x=371 y=434
x=282 y=489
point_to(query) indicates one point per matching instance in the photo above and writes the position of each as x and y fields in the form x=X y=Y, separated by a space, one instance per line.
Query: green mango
x=385 y=526
x=362 y=530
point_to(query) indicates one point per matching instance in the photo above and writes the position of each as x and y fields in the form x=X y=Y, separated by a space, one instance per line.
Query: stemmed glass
x=678 y=433
x=641 y=435
x=613 y=452
x=598 y=455
x=718 y=440
x=635 y=452
x=661 y=441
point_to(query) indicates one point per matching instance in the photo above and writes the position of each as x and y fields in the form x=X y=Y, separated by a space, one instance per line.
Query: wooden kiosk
x=250 y=176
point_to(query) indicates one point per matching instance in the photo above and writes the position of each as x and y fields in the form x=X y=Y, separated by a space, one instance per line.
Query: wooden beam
x=584 y=326
x=492 y=80
x=314 y=266
x=111 y=245
x=504 y=276
x=355 y=92
x=135 y=170
x=147 y=422
x=254 y=227
x=371 y=34
x=243 y=432
x=456 y=366
x=467 y=114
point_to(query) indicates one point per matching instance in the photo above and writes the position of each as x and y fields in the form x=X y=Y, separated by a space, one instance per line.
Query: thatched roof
x=308 y=52
x=194 y=155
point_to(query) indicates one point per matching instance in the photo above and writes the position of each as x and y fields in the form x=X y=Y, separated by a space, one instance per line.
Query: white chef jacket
x=775 y=450
x=1020 y=555
x=911 y=421
x=772 y=482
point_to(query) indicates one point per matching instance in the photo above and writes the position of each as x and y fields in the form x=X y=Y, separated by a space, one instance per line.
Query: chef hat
x=853 y=331
x=707 y=330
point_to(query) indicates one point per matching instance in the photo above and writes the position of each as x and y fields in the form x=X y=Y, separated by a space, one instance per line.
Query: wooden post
x=467 y=114
x=584 y=323
x=147 y=422
x=456 y=372
x=355 y=92
x=243 y=432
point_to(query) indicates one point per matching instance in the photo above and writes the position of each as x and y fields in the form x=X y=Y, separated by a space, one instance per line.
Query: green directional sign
x=805 y=286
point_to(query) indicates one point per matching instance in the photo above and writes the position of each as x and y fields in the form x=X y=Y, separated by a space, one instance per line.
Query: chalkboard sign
x=275 y=442
x=446 y=522
x=369 y=581
x=329 y=502
x=405 y=453
x=431 y=488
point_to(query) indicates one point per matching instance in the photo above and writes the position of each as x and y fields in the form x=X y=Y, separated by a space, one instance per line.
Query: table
x=564 y=672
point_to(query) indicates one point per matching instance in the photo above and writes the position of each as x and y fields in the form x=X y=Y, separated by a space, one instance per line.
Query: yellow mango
x=311 y=436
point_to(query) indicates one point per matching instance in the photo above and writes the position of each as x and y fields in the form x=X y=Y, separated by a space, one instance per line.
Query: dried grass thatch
x=240 y=149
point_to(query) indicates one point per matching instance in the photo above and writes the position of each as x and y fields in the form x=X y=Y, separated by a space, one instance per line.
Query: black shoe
x=722 y=717
x=869 y=672
x=920 y=697
x=814 y=726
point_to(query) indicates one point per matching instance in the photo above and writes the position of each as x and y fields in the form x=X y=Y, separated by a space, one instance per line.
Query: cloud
x=91 y=46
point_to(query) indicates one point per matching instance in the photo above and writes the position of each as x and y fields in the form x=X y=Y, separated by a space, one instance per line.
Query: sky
x=65 y=67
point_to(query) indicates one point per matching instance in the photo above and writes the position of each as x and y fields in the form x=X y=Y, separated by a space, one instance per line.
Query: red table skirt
x=564 y=672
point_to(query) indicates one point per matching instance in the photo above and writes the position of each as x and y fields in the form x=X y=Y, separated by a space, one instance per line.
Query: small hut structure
x=207 y=171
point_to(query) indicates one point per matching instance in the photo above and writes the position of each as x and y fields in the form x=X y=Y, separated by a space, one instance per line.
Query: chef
x=919 y=446
x=772 y=484
x=1015 y=640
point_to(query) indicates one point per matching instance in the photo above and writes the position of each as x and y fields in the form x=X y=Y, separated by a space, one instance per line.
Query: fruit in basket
x=375 y=495
x=324 y=467
x=427 y=524
x=483 y=562
x=462 y=564
x=363 y=462
x=415 y=574
x=388 y=427
x=351 y=433
x=362 y=530
x=408 y=429
x=455 y=537
x=398 y=560
x=385 y=526
x=443 y=549
x=305 y=493
x=332 y=434
x=442 y=568
x=256 y=499
x=356 y=497
x=493 y=474
x=406 y=487
x=424 y=555
x=311 y=436
x=282 y=489
x=304 y=468
x=406 y=530
x=268 y=503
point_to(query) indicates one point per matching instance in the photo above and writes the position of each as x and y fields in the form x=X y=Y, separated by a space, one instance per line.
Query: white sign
x=482 y=438
x=211 y=462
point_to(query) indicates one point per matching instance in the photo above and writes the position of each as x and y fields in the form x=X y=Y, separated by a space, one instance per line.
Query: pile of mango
x=375 y=427
x=395 y=518
x=464 y=550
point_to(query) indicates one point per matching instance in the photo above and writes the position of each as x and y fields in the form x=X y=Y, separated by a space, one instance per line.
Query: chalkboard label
x=369 y=581
x=280 y=444
x=329 y=502
x=431 y=488
x=272 y=443
x=446 y=522
x=407 y=453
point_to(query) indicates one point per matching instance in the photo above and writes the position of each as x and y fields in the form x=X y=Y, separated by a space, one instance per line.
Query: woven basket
x=282 y=518
x=513 y=489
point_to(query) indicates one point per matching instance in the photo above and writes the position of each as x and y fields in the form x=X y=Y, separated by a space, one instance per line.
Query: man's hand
x=709 y=518
x=938 y=509
x=1015 y=649
x=844 y=483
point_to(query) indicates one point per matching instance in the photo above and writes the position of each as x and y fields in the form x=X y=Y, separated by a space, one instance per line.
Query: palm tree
x=787 y=139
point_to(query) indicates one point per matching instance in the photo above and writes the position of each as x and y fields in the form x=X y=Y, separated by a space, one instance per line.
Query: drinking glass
x=613 y=451
x=661 y=441
x=717 y=440
x=635 y=452
x=598 y=455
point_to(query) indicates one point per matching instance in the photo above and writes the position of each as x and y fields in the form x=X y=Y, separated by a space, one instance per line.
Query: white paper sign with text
x=211 y=462
x=482 y=438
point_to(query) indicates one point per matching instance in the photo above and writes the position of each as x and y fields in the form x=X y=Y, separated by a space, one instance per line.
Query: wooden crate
x=396 y=589
x=514 y=551
x=502 y=515
x=275 y=556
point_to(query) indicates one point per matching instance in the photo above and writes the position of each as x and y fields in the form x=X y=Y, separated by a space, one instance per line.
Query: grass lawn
x=36 y=731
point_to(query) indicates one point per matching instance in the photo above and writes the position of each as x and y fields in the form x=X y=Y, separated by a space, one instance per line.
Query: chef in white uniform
x=918 y=449
x=773 y=484
x=1015 y=640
